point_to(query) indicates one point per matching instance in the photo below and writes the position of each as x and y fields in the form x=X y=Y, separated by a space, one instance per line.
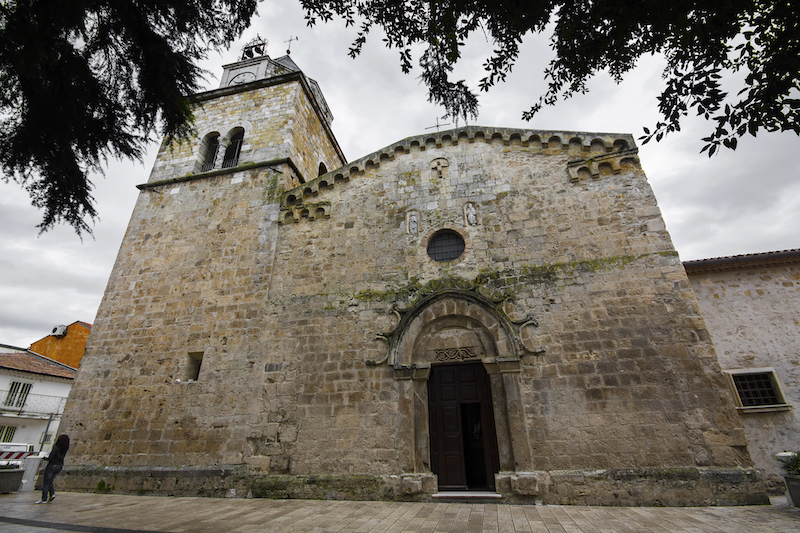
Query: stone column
x=520 y=445
x=421 y=425
x=499 y=406
x=406 y=445
x=413 y=432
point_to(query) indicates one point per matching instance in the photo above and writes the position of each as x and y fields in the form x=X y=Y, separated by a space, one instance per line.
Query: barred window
x=7 y=433
x=757 y=389
x=209 y=150
x=231 y=158
x=17 y=394
x=445 y=245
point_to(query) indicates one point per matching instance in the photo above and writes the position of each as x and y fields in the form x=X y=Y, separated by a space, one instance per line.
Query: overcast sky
x=739 y=202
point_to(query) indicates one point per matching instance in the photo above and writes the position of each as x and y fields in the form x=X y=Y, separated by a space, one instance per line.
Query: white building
x=751 y=306
x=33 y=391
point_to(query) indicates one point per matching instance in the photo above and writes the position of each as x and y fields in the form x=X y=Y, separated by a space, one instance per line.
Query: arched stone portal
x=450 y=329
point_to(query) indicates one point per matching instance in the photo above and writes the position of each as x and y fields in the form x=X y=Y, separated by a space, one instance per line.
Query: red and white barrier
x=15 y=456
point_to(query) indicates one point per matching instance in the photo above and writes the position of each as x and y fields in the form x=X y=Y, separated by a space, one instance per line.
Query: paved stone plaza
x=110 y=513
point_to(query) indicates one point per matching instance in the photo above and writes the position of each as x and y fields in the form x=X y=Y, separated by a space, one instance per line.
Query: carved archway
x=448 y=328
x=467 y=308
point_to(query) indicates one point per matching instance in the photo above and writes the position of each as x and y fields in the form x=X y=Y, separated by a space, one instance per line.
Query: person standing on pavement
x=55 y=462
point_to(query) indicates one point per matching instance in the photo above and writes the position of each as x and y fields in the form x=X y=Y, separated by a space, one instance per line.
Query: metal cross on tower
x=289 y=46
x=437 y=126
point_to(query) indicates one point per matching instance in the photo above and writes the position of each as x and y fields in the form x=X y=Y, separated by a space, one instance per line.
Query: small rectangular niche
x=193 y=362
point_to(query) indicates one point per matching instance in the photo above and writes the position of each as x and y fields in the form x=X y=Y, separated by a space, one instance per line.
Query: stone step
x=468 y=496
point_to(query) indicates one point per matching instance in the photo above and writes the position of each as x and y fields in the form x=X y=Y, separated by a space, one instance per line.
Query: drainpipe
x=49 y=420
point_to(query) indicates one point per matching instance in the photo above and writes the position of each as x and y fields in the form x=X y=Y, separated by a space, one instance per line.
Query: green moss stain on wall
x=499 y=283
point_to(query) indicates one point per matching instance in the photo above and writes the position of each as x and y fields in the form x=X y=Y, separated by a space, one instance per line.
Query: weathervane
x=289 y=46
x=255 y=47
x=437 y=126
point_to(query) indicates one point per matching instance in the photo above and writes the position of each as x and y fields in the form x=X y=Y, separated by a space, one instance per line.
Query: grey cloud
x=735 y=203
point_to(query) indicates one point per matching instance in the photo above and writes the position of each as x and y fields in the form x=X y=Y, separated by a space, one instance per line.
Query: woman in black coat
x=55 y=462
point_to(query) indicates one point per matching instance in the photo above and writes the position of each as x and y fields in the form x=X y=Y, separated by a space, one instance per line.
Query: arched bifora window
x=208 y=151
x=231 y=158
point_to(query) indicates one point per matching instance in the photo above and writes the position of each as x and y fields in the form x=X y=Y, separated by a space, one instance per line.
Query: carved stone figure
x=472 y=215
x=413 y=225
x=439 y=167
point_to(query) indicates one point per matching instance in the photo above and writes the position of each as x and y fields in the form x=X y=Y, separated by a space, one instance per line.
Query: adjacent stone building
x=477 y=309
x=751 y=305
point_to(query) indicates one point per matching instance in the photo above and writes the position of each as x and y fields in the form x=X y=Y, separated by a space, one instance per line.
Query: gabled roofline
x=79 y=322
x=742 y=262
x=614 y=145
x=17 y=348
x=42 y=374
x=58 y=364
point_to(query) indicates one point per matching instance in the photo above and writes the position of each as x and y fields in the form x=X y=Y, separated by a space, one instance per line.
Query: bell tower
x=265 y=112
x=184 y=314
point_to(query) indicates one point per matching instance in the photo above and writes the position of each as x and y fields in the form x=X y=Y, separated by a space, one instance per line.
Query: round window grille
x=445 y=245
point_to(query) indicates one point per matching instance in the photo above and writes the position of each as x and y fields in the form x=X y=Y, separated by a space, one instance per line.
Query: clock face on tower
x=244 y=77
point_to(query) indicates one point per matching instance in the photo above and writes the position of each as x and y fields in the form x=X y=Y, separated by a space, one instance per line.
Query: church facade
x=479 y=309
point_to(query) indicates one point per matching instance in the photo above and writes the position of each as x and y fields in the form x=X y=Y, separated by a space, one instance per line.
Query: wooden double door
x=463 y=439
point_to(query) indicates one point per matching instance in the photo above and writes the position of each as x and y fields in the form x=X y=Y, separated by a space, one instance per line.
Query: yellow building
x=65 y=344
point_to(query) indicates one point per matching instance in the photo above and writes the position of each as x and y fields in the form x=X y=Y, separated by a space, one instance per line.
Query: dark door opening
x=463 y=440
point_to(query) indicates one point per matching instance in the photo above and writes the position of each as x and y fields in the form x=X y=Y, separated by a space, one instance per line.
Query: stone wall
x=752 y=310
x=191 y=277
x=318 y=314
x=307 y=128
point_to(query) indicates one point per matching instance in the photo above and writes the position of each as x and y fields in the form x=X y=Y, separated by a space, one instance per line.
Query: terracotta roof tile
x=740 y=262
x=35 y=364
